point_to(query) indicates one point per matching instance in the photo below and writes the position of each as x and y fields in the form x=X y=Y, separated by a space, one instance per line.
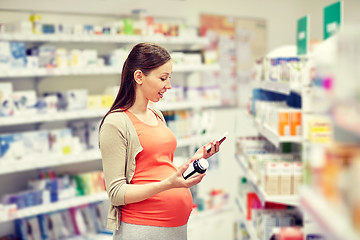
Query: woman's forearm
x=136 y=192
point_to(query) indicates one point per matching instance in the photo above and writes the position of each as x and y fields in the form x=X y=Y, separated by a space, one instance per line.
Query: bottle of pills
x=195 y=168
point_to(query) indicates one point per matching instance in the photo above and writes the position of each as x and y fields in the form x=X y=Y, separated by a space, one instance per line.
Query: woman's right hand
x=177 y=180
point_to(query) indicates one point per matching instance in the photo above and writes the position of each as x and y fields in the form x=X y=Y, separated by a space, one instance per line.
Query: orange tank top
x=154 y=163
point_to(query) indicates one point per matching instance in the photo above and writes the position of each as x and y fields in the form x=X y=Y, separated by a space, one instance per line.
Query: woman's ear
x=138 y=76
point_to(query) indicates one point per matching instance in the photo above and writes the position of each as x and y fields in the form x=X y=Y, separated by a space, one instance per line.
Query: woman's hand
x=177 y=180
x=202 y=153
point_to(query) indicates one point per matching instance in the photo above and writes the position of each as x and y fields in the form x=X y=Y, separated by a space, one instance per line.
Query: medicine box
x=24 y=102
x=6 y=101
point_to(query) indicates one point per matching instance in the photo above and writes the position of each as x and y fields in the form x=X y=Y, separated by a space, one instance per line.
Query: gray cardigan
x=119 y=145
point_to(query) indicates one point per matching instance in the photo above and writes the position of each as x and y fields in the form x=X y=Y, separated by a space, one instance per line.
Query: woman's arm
x=136 y=193
x=113 y=152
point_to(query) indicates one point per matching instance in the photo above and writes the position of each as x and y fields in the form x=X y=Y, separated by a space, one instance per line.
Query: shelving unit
x=292 y=200
x=334 y=222
x=122 y=39
x=249 y=227
x=60 y=205
x=30 y=164
x=78 y=71
x=46 y=161
x=273 y=137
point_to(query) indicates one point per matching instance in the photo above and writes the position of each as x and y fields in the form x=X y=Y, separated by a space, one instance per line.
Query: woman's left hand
x=202 y=153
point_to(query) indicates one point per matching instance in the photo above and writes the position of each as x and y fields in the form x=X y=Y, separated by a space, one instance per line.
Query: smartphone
x=221 y=139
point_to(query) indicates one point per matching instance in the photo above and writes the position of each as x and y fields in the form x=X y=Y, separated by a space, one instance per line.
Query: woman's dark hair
x=145 y=57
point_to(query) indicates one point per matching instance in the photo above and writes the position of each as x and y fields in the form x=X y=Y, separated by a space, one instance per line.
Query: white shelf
x=53 y=117
x=200 y=140
x=171 y=106
x=249 y=227
x=78 y=71
x=292 y=200
x=278 y=87
x=124 y=39
x=210 y=212
x=197 y=67
x=52 y=72
x=60 y=205
x=334 y=223
x=273 y=137
x=50 y=160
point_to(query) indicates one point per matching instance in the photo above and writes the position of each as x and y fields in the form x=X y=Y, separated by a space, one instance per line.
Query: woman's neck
x=139 y=107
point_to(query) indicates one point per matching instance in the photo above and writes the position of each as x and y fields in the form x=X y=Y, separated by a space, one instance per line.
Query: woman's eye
x=164 y=79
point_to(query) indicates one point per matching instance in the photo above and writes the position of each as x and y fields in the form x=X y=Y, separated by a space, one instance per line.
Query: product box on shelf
x=76 y=99
x=272 y=177
x=60 y=141
x=92 y=128
x=36 y=143
x=286 y=173
x=6 y=100
x=47 y=56
x=11 y=147
x=79 y=129
x=24 y=102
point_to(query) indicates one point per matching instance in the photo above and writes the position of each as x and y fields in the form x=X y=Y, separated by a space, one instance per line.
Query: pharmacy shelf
x=196 y=67
x=60 y=205
x=345 y=116
x=334 y=223
x=52 y=72
x=279 y=87
x=273 y=137
x=53 y=160
x=49 y=160
x=93 y=113
x=194 y=140
x=249 y=227
x=292 y=200
x=123 y=39
x=105 y=70
x=210 y=212
x=183 y=105
x=51 y=117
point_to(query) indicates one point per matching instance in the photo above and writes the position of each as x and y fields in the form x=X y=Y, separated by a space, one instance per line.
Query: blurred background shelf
x=50 y=160
x=292 y=200
x=60 y=205
x=101 y=38
x=273 y=137
x=335 y=224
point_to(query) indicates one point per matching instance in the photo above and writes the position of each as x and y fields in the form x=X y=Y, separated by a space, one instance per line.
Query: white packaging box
x=36 y=144
x=24 y=27
x=76 y=99
x=93 y=134
x=60 y=141
x=297 y=177
x=11 y=147
x=47 y=57
x=24 y=102
x=32 y=62
x=285 y=177
x=6 y=101
x=18 y=55
x=79 y=129
x=272 y=176
x=5 y=55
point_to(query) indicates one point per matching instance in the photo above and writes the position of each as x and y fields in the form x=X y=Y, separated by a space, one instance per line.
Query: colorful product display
x=50 y=188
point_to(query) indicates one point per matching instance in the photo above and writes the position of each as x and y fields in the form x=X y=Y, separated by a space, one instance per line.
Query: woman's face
x=157 y=82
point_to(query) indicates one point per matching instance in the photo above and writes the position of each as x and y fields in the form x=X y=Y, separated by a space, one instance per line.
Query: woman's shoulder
x=117 y=118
